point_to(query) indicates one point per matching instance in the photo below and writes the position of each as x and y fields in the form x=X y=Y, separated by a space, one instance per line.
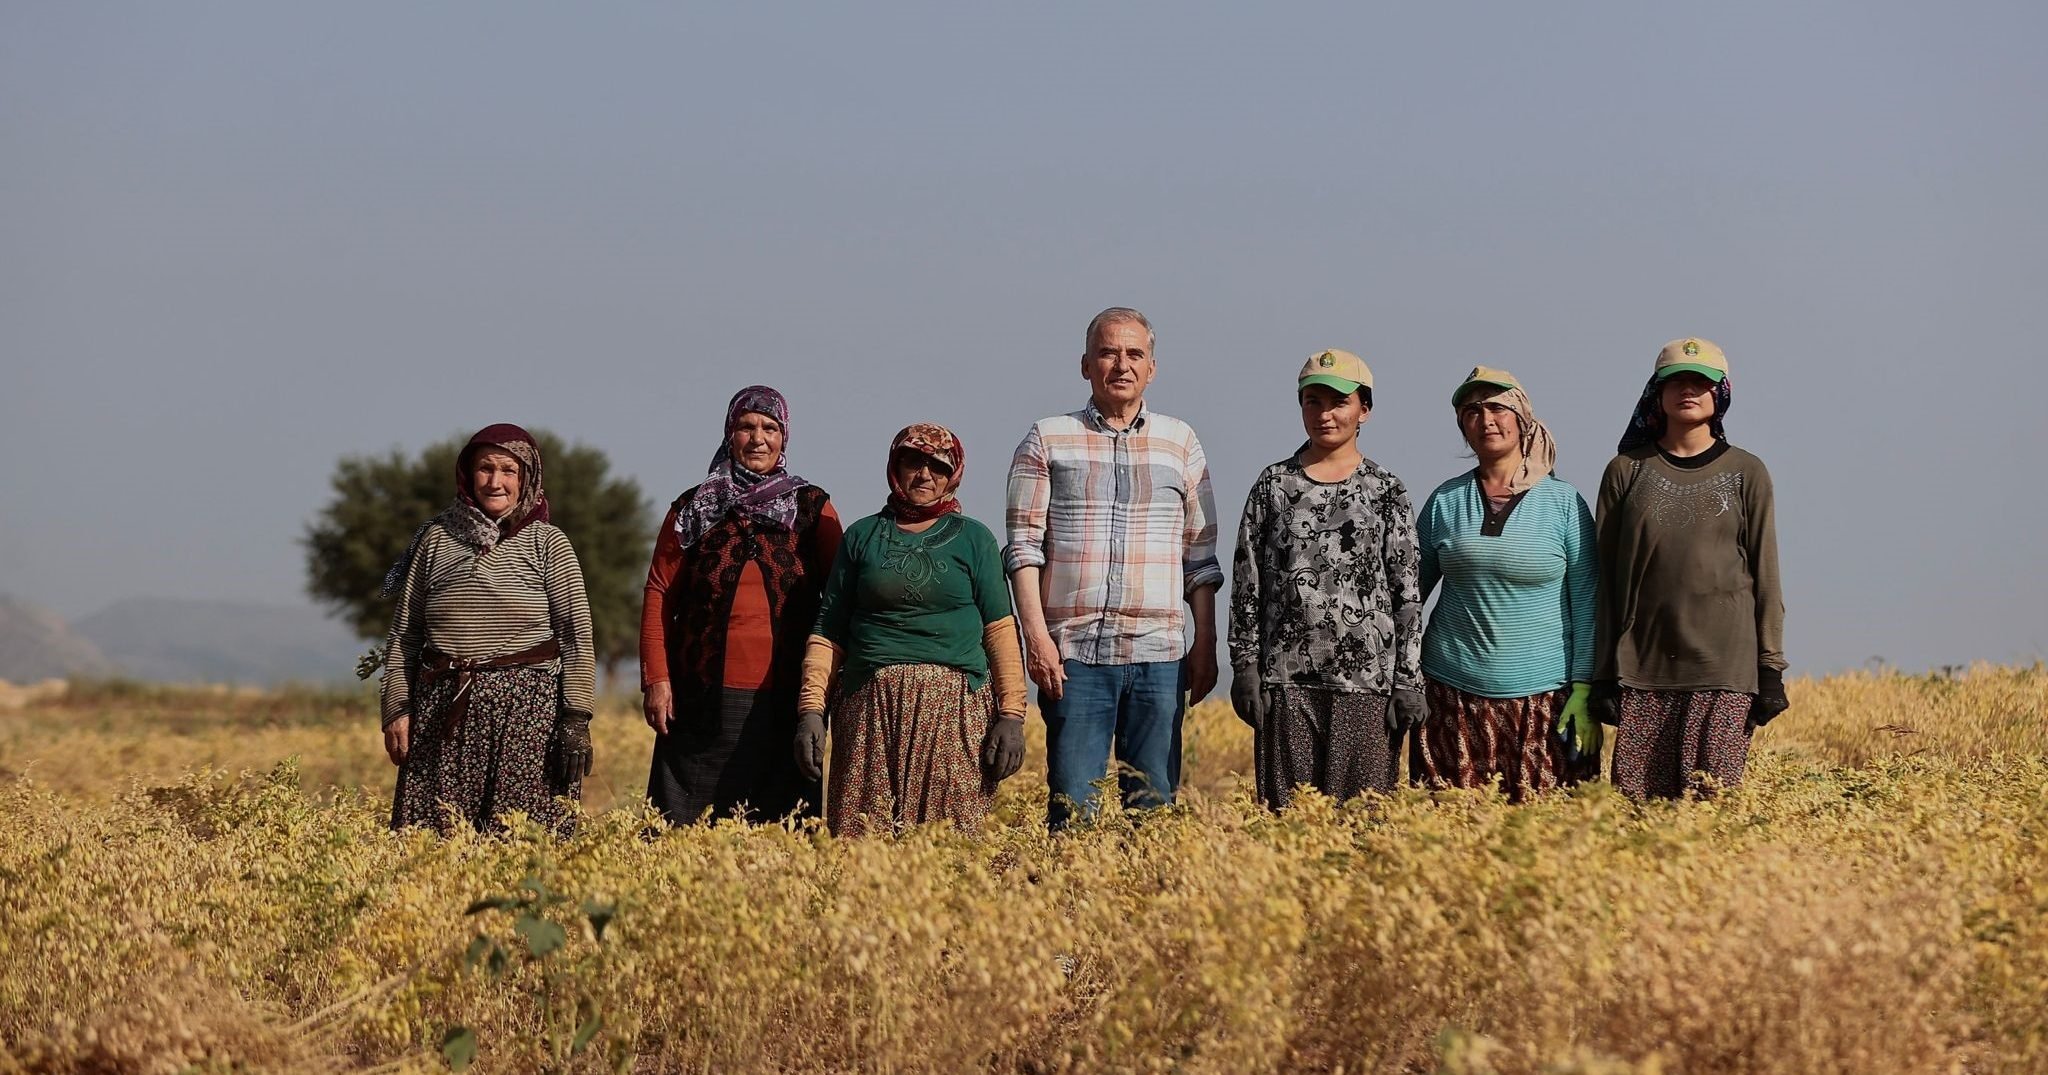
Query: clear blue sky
x=238 y=241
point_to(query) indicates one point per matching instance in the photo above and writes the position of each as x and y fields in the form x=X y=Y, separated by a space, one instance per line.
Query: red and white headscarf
x=935 y=442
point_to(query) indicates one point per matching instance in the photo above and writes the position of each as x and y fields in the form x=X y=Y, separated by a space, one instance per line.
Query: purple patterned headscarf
x=769 y=498
x=1647 y=424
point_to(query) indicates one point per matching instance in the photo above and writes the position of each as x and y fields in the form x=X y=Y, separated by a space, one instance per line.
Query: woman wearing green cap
x=1325 y=613
x=1508 y=655
x=1691 y=620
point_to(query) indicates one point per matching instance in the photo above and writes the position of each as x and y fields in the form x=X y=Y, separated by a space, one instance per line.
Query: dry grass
x=1873 y=900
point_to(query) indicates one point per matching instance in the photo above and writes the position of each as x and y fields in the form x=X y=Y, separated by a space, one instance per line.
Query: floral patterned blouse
x=1325 y=591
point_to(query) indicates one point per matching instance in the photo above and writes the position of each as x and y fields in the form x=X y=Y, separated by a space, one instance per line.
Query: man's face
x=1119 y=363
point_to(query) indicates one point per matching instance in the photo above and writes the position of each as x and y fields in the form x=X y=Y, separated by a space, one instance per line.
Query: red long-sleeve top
x=749 y=640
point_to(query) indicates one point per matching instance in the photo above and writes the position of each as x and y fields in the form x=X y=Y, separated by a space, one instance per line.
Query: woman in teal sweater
x=1507 y=658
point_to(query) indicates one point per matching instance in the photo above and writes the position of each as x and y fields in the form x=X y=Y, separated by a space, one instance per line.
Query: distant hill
x=36 y=644
x=182 y=641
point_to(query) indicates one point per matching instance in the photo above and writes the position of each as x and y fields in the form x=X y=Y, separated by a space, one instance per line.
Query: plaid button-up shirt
x=1123 y=523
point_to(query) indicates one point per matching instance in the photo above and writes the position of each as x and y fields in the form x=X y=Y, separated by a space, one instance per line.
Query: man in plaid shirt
x=1111 y=526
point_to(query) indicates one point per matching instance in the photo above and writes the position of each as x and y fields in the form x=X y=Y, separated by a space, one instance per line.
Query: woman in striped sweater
x=489 y=673
x=1508 y=654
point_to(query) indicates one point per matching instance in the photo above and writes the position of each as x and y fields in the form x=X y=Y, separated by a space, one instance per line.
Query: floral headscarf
x=463 y=519
x=1646 y=425
x=770 y=499
x=939 y=443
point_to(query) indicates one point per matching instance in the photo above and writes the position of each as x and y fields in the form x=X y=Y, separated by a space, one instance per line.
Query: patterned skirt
x=1672 y=741
x=494 y=763
x=906 y=749
x=1333 y=741
x=1470 y=739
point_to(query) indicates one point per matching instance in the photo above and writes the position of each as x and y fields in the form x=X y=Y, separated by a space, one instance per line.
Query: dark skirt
x=1670 y=742
x=1470 y=739
x=906 y=749
x=1333 y=741
x=735 y=758
x=496 y=762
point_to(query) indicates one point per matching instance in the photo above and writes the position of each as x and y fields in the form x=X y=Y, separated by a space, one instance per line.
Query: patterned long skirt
x=496 y=762
x=732 y=756
x=1333 y=741
x=1671 y=741
x=1470 y=739
x=906 y=749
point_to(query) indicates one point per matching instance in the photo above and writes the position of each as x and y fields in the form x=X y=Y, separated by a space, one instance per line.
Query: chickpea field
x=204 y=881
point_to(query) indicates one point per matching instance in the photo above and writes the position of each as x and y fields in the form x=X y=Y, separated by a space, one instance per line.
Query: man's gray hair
x=1110 y=317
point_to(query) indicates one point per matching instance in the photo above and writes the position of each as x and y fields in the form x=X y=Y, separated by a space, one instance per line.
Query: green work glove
x=1576 y=726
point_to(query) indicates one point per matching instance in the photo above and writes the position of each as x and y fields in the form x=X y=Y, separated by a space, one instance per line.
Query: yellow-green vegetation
x=1873 y=899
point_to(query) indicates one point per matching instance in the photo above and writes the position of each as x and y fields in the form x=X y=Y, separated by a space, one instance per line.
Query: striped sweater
x=1516 y=615
x=525 y=590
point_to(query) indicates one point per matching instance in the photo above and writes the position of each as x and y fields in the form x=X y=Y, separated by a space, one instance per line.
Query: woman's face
x=1688 y=398
x=1331 y=418
x=756 y=442
x=921 y=478
x=494 y=480
x=1492 y=430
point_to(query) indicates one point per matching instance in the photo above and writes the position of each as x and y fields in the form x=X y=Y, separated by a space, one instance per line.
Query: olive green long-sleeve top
x=1689 y=597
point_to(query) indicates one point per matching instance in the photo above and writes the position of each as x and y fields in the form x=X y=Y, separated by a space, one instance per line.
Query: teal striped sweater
x=1516 y=615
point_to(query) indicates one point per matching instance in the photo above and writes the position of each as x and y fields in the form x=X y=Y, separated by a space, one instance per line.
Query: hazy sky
x=238 y=241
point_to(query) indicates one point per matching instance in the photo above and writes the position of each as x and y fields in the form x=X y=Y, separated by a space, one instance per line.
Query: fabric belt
x=434 y=664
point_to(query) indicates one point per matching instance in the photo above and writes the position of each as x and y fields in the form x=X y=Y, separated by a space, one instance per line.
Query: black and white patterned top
x=1325 y=591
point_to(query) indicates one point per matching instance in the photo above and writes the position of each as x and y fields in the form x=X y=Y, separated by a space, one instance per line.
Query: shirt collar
x=1094 y=417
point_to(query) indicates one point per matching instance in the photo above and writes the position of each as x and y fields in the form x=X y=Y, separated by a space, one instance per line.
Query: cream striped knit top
x=524 y=590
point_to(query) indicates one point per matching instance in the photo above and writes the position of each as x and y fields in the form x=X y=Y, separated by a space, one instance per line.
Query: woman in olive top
x=916 y=620
x=1691 y=621
x=1508 y=654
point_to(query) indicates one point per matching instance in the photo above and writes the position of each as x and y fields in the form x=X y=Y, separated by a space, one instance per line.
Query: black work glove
x=1002 y=749
x=570 y=756
x=1244 y=697
x=810 y=745
x=1605 y=705
x=1770 y=697
x=1409 y=709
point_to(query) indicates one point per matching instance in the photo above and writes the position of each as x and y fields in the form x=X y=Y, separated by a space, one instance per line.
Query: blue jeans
x=1135 y=708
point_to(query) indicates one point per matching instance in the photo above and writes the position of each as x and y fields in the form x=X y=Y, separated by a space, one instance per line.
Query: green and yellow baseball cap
x=1692 y=355
x=1340 y=370
x=1484 y=375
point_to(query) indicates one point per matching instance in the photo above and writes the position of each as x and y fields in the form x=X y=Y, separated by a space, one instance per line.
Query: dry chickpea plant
x=201 y=881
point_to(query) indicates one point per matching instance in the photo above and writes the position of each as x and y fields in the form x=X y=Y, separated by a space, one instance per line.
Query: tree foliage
x=380 y=500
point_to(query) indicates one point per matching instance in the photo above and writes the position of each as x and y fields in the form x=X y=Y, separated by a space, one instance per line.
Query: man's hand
x=658 y=703
x=1200 y=668
x=1042 y=661
x=398 y=740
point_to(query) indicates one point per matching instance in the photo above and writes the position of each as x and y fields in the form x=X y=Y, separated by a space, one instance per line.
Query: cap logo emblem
x=1326 y=360
x=1692 y=347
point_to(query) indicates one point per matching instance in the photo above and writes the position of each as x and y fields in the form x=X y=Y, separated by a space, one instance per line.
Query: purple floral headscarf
x=770 y=499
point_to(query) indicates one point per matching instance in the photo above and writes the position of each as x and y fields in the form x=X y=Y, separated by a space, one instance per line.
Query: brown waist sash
x=434 y=664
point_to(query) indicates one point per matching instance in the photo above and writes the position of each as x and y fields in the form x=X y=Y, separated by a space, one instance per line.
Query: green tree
x=380 y=500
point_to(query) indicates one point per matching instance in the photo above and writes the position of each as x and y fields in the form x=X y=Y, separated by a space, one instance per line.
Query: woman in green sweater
x=1508 y=654
x=1691 y=619
x=916 y=624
